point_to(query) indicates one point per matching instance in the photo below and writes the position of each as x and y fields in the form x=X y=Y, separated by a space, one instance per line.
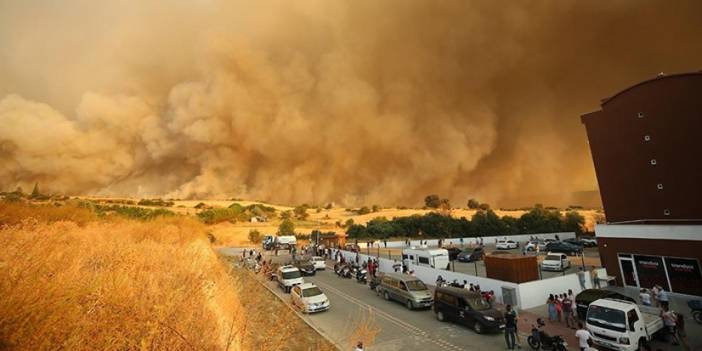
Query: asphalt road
x=398 y=328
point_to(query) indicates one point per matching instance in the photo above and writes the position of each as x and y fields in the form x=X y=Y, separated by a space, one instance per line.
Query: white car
x=288 y=276
x=319 y=263
x=532 y=245
x=506 y=245
x=555 y=261
x=309 y=298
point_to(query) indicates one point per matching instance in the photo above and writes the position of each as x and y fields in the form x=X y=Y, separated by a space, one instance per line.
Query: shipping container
x=512 y=268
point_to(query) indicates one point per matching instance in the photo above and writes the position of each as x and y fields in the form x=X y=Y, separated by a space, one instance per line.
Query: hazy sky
x=358 y=102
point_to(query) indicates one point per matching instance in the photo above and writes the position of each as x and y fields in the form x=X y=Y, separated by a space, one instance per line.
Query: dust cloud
x=356 y=102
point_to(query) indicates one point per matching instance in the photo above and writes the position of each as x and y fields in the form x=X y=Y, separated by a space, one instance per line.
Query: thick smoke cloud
x=315 y=101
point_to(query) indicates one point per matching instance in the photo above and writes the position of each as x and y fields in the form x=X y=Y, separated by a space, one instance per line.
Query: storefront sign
x=651 y=272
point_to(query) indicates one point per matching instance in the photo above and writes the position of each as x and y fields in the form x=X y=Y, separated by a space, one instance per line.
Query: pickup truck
x=622 y=325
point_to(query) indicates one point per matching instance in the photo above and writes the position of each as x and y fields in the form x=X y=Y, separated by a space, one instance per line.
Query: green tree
x=432 y=201
x=473 y=204
x=254 y=236
x=286 y=227
x=375 y=208
x=573 y=222
x=286 y=215
x=301 y=212
x=484 y=206
x=363 y=210
x=349 y=222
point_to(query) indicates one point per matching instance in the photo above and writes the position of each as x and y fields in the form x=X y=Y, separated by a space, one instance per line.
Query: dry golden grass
x=115 y=285
x=15 y=212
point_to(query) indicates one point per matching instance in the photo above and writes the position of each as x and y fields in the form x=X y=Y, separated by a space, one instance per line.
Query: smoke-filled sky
x=356 y=102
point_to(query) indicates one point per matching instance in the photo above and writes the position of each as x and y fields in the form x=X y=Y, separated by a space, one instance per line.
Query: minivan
x=405 y=289
x=468 y=308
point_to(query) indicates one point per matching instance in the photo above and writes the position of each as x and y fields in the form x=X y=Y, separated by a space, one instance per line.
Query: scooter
x=539 y=339
x=361 y=276
x=696 y=310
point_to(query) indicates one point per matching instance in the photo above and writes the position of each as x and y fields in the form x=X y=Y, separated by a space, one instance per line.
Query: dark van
x=588 y=296
x=467 y=308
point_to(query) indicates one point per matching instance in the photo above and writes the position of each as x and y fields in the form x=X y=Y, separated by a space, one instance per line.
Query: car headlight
x=624 y=340
x=488 y=318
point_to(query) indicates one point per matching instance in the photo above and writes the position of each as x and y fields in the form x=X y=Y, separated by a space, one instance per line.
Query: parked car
x=588 y=241
x=405 y=289
x=476 y=254
x=288 y=276
x=453 y=253
x=507 y=245
x=533 y=244
x=319 y=263
x=574 y=241
x=467 y=308
x=555 y=262
x=305 y=266
x=309 y=298
x=564 y=247
x=587 y=296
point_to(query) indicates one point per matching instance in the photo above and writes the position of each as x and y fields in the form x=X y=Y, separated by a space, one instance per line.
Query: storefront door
x=629 y=276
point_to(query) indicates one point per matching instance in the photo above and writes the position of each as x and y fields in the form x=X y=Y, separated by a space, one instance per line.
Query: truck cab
x=622 y=325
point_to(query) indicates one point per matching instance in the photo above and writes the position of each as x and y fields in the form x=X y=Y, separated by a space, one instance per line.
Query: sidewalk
x=528 y=317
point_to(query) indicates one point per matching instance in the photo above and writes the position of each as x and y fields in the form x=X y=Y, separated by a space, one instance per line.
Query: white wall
x=457 y=241
x=530 y=294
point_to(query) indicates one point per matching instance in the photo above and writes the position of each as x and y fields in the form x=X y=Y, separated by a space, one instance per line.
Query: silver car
x=405 y=289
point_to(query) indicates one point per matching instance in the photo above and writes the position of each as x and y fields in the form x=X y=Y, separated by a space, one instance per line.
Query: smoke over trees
x=317 y=101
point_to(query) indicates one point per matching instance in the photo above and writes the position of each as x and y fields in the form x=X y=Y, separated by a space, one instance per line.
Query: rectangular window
x=650 y=271
x=424 y=260
x=684 y=274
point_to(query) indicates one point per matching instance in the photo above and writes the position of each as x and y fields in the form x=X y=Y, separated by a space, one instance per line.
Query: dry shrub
x=12 y=213
x=113 y=286
x=365 y=330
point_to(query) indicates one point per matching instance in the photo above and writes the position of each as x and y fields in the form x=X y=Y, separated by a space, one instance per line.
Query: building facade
x=648 y=160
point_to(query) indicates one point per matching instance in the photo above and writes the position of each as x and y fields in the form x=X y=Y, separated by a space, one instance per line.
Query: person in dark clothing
x=510 y=327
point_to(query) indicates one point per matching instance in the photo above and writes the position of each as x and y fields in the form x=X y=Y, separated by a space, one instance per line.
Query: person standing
x=595 y=278
x=583 y=336
x=551 y=302
x=663 y=297
x=581 y=276
x=510 y=327
x=568 y=311
x=670 y=320
x=655 y=291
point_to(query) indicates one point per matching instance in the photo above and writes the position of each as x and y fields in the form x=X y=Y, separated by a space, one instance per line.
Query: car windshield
x=478 y=303
x=415 y=285
x=606 y=318
x=552 y=258
x=291 y=275
x=313 y=291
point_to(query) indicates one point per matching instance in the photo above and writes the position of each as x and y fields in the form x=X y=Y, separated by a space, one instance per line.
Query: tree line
x=483 y=223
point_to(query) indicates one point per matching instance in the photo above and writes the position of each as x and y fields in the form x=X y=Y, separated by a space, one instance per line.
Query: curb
x=317 y=330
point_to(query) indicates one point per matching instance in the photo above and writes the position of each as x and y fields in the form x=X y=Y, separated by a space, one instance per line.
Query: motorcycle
x=539 y=339
x=362 y=276
x=696 y=310
x=343 y=271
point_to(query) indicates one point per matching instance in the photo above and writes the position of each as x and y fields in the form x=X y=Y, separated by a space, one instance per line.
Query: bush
x=155 y=202
x=375 y=208
x=200 y=205
x=363 y=210
x=286 y=227
x=219 y=215
x=301 y=212
x=255 y=236
x=432 y=201
x=473 y=204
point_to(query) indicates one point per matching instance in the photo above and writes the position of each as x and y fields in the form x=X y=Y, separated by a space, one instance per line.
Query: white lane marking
x=411 y=328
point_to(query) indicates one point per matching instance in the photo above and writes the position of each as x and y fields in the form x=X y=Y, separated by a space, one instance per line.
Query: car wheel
x=440 y=316
x=386 y=296
x=409 y=305
x=478 y=328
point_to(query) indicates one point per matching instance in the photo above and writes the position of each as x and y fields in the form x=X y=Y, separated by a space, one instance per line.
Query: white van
x=434 y=258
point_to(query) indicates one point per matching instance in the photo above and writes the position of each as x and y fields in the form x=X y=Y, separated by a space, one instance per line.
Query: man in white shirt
x=583 y=336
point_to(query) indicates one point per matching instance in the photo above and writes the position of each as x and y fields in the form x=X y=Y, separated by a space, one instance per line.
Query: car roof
x=304 y=286
x=288 y=268
x=400 y=276
x=458 y=292
x=615 y=303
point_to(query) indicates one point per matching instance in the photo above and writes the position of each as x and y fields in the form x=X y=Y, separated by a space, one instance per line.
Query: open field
x=70 y=279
